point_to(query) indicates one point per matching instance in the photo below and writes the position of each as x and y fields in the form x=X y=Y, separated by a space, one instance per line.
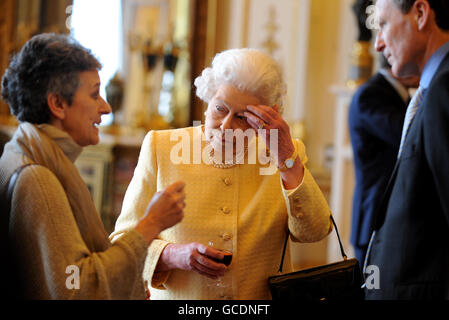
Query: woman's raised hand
x=165 y=209
x=264 y=117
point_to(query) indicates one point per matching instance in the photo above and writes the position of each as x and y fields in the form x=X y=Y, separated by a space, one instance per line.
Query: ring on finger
x=262 y=125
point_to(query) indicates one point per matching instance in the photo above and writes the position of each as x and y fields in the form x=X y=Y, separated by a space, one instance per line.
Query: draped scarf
x=54 y=149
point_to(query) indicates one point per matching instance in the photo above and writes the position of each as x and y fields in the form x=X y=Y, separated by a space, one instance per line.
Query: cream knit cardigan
x=48 y=237
x=239 y=206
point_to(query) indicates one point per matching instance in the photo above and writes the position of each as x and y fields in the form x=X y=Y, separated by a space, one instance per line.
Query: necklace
x=221 y=165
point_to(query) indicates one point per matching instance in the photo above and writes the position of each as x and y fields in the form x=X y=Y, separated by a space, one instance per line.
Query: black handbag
x=336 y=281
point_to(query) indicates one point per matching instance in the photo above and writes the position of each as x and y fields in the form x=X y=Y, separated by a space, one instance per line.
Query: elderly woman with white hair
x=231 y=203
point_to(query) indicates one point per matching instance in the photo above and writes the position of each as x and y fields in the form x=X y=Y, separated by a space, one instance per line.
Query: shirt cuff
x=156 y=279
x=290 y=192
x=297 y=199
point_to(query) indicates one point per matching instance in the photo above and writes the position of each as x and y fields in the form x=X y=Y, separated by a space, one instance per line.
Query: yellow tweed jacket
x=236 y=207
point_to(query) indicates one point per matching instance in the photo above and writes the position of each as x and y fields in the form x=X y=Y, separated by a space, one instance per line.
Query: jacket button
x=227 y=181
x=226 y=236
x=226 y=210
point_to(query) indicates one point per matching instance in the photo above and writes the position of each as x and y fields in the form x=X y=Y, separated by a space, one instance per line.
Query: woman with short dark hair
x=57 y=241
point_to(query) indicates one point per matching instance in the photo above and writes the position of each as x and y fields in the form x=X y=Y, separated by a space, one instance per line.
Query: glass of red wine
x=227 y=257
x=220 y=285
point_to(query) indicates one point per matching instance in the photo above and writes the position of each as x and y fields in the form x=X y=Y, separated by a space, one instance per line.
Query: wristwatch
x=289 y=163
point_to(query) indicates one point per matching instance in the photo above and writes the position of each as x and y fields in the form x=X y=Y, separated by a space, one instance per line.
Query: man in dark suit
x=376 y=117
x=410 y=243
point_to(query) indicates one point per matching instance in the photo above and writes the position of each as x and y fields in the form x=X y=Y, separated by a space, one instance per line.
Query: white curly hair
x=248 y=70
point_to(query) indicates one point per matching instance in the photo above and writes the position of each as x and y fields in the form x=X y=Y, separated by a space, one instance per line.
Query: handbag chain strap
x=343 y=254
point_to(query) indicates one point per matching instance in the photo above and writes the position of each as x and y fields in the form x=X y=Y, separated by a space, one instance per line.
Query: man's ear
x=57 y=106
x=422 y=11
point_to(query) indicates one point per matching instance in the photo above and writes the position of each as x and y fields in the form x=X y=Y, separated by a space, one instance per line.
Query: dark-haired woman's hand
x=164 y=211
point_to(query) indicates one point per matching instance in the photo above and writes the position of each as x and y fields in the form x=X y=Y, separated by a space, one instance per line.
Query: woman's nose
x=226 y=123
x=105 y=107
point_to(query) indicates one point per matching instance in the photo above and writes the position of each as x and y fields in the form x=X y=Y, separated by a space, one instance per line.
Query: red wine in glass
x=227 y=258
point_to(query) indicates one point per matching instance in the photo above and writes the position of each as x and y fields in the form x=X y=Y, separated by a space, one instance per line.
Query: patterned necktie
x=410 y=114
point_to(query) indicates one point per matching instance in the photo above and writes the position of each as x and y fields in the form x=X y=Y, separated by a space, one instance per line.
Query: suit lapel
x=381 y=211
